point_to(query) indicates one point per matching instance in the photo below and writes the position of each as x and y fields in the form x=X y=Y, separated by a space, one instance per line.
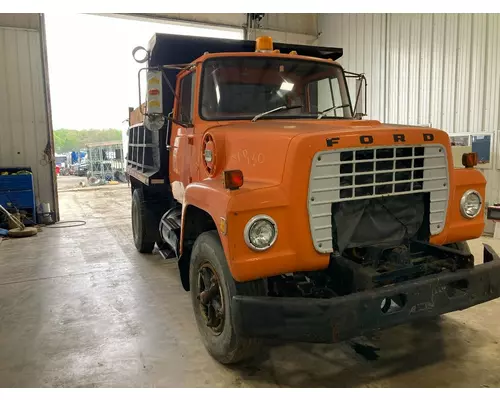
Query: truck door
x=182 y=137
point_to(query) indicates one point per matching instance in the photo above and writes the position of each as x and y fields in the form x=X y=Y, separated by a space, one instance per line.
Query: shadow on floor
x=400 y=350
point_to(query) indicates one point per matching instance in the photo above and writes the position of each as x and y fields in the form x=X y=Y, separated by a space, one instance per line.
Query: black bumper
x=342 y=318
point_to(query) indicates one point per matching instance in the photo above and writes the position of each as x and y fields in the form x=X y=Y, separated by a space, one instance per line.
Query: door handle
x=171 y=147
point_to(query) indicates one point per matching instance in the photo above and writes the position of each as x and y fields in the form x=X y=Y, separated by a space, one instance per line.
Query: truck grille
x=364 y=173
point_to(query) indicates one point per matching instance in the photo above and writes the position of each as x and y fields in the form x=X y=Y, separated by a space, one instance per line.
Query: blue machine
x=77 y=157
x=16 y=190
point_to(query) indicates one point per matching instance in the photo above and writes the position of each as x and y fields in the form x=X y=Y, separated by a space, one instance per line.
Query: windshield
x=243 y=87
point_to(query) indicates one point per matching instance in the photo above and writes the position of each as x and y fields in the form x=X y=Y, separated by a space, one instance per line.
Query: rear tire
x=140 y=223
x=222 y=341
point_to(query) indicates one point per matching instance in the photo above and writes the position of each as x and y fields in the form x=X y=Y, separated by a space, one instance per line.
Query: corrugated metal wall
x=362 y=36
x=438 y=69
x=27 y=21
x=24 y=123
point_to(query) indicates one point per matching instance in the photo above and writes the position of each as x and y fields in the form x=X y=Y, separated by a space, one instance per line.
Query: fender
x=459 y=228
x=214 y=202
x=211 y=197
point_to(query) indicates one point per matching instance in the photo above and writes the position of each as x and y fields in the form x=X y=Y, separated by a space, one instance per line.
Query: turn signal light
x=469 y=160
x=233 y=179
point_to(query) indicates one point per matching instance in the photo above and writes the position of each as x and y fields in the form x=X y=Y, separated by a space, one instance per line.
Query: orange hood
x=261 y=149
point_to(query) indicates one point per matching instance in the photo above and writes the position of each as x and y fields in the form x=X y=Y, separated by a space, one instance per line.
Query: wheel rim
x=210 y=298
x=135 y=222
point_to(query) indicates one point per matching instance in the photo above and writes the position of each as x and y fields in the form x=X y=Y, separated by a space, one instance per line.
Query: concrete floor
x=80 y=307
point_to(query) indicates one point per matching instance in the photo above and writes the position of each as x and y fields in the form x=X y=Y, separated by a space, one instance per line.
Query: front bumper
x=342 y=318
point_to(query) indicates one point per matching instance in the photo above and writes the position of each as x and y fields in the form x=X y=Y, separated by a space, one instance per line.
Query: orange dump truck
x=289 y=216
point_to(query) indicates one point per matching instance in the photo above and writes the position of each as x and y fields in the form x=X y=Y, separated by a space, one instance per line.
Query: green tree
x=67 y=140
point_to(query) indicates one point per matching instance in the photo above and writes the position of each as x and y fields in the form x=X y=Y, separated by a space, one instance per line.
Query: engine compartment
x=364 y=268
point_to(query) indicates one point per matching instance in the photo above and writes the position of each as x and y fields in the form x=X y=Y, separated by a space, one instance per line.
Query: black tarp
x=377 y=221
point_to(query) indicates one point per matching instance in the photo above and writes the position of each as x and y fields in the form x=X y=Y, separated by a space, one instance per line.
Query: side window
x=186 y=106
x=325 y=94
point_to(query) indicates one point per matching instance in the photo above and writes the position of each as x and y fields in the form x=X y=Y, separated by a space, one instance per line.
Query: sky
x=92 y=75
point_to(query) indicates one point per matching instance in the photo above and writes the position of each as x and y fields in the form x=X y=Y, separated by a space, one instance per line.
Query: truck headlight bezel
x=463 y=203
x=253 y=224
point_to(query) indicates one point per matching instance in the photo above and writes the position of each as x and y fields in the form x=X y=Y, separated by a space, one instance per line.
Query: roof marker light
x=264 y=44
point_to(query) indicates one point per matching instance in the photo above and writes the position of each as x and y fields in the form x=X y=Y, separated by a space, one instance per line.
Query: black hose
x=63 y=223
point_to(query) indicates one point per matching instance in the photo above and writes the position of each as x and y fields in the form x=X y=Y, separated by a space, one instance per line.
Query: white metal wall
x=305 y=24
x=283 y=37
x=24 y=121
x=288 y=28
x=437 y=69
x=284 y=28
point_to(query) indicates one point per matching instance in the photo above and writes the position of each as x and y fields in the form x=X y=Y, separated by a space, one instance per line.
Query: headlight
x=260 y=232
x=470 y=204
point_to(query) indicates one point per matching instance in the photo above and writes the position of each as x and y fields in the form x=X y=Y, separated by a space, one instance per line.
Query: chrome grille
x=352 y=174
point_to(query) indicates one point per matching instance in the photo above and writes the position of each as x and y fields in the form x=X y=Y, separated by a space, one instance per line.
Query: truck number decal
x=368 y=139
x=251 y=158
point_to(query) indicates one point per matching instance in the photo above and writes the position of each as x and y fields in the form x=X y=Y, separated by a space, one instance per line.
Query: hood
x=259 y=149
x=293 y=127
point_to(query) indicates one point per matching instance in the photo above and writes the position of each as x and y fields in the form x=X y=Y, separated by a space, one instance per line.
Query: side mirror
x=360 y=103
x=359 y=94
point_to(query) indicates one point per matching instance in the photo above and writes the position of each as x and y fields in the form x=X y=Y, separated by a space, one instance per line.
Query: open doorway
x=93 y=82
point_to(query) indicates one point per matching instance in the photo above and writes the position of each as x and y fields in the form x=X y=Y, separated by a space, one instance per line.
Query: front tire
x=212 y=288
x=139 y=223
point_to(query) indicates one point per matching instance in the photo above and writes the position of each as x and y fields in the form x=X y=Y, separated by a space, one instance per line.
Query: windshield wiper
x=322 y=113
x=274 y=110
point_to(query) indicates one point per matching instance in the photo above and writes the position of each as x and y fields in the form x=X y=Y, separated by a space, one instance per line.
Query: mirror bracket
x=360 y=105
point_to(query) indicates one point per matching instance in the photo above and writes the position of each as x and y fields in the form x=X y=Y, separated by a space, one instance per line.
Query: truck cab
x=290 y=216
